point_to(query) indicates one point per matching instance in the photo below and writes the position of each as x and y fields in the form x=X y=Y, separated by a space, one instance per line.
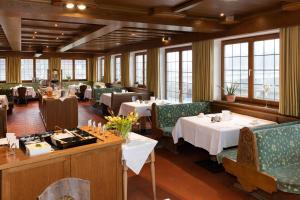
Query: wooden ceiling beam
x=12 y=29
x=187 y=5
x=94 y=35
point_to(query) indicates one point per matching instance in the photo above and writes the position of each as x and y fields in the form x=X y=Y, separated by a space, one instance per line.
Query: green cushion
x=167 y=115
x=288 y=177
x=278 y=146
x=228 y=153
x=275 y=125
x=65 y=84
x=167 y=131
x=99 y=91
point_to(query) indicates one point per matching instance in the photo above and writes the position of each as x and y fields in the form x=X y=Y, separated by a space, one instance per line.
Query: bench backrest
x=278 y=146
x=167 y=115
x=99 y=91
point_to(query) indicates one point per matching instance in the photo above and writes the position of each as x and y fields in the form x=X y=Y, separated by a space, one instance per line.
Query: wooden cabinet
x=28 y=181
x=24 y=178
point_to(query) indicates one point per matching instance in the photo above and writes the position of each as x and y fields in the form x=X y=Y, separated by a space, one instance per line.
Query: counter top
x=20 y=158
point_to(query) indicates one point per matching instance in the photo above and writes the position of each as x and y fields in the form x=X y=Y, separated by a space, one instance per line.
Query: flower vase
x=230 y=98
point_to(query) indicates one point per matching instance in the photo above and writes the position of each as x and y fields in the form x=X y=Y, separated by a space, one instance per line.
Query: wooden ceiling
x=109 y=25
x=3 y=41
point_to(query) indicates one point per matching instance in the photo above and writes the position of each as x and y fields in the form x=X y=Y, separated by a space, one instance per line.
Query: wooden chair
x=81 y=92
x=22 y=95
x=67 y=189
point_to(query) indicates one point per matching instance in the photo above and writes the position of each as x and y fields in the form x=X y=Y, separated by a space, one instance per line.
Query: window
x=141 y=68
x=2 y=69
x=253 y=64
x=80 y=69
x=41 y=69
x=100 y=69
x=118 y=68
x=179 y=74
x=27 y=69
x=67 y=69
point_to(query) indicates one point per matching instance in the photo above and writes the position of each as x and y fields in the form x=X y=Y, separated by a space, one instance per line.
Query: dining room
x=175 y=99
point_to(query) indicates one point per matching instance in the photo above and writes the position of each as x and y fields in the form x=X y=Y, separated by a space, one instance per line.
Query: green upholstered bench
x=166 y=116
x=268 y=158
x=99 y=91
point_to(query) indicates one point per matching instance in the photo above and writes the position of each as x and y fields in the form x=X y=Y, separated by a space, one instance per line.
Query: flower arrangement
x=122 y=124
x=230 y=91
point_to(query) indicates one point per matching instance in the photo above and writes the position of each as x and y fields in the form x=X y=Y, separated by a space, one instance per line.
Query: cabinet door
x=29 y=181
x=103 y=168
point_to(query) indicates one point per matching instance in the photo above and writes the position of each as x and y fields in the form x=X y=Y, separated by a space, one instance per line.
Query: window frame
x=115 y=68
x=250 y=99
x=73 y=69
x=100 y=68
x=5 y=59
x=34 y=68
x=144 y=54
x=180 y=50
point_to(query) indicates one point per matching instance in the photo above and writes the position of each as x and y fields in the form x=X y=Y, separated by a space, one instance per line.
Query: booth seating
x=118 y=98
x=10 y=98
x=164 y=117
x=268 y=159
x=99 y=91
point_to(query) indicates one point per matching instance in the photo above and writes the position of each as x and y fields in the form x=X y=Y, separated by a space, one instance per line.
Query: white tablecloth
x=213 y=137
x=88 y=93
x=142 y=109
x=136 y=151
x=4 y=101
x=30 y=91
x=105 y=98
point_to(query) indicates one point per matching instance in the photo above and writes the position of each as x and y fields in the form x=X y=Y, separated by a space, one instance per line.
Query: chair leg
x=125 y=180
x=153 y=175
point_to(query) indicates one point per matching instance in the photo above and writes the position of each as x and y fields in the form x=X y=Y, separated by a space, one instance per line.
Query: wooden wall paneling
x=103 y=168
x=28 y=181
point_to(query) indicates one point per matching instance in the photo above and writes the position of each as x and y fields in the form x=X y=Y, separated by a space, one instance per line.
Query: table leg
x=153 y=174
x=125 y=180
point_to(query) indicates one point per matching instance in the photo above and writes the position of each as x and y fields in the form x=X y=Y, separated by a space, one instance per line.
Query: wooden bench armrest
x=249 y=178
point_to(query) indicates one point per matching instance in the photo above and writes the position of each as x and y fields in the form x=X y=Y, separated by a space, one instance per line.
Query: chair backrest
x=167 y=115
x=99 y=91
x=22 y=92
x=278 y=146
x=67 y=189
x=82 y=88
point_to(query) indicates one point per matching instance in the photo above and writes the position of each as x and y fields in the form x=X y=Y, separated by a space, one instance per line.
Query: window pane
x=80 y=69
x=67 y=69
x=139 y=69
x=187 y=76
x=172 y=76
x=41 y=69
x=2 y=69
x=117 y=68
x=236 y=68
x=266 y=70
x=26 y=69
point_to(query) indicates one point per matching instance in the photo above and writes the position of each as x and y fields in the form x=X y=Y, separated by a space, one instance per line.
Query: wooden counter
x=24 y=177
x=55 y=112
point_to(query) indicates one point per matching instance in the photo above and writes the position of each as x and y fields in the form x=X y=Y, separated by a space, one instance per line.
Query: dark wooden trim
x=250 y=41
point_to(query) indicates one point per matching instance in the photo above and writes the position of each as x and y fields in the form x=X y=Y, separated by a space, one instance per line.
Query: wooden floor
x=178 y=177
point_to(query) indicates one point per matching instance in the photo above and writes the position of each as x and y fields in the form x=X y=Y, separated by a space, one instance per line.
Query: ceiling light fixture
x=33 y=37
x=35 y=32
x=222 y=14
x=166 y=39
x=56 y=25
x=133 y=34
x=70 y=5
x=57 y=38
x=118 y=43
x=81 y=6
x=62 y=33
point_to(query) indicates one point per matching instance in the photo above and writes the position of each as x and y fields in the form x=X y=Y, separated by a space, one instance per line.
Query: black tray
x=68 y=142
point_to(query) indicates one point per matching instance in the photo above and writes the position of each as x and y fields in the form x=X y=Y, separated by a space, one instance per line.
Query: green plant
x=122 y=124
x=231 y=89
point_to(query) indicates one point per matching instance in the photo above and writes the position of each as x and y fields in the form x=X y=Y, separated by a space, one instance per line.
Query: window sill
x=249 y=106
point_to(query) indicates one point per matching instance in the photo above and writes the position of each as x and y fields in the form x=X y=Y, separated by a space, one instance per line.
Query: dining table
x=201 y=131
x=30 y=91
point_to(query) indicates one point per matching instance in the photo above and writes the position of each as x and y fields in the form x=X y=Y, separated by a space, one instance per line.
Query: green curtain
x=203 y=70
x=107 y=69
x=13 y=70
x=125 y=79
x=55 y=64
x=289 y=103
x=92 y=69
x=153 y=66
